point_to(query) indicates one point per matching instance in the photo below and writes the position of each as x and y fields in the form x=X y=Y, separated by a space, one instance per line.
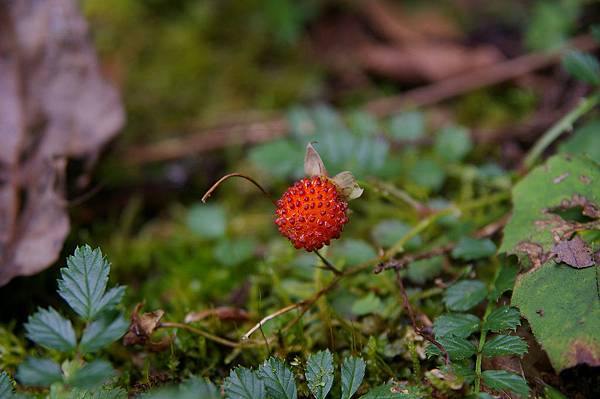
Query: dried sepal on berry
x=313 y=164
x=347 y=186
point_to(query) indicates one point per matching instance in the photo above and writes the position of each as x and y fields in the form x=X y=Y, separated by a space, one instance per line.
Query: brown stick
x=268 y=129
x=413 y=320
x=222 y=179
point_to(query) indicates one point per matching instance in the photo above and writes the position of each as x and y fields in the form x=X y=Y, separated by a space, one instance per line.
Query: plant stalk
x=563 y=125
x=482 y=338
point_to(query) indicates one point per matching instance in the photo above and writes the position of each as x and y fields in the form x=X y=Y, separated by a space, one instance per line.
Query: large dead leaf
x=54 y=105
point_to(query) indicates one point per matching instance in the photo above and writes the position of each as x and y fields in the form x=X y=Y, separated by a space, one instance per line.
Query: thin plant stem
x=482 y=338
x=563 y=125
x=209 y=336
x=222 y=179
x=328 y=264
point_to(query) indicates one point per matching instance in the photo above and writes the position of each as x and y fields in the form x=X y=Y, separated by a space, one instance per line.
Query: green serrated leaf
x=504 y=281
x=469 y=248
x=501 y=380
x=505 y=345
x=279 y=380
x=453 y=143
x=465 y=295
x=389 y=391
x=352 y=373
x=49 y=329
x=319 y=373
x=465 y=370
x=458 y=348
x=92 y=374
x=195 y=387
x=582 y=66
x=83 y=283
x=243 y=383
x=502 y=318
x=38 y=372
x=458 y=324
x=6 y=387
x=99 y=393
x=102 y=332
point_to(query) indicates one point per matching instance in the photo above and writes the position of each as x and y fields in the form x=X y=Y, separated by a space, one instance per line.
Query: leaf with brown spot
x=575 y=253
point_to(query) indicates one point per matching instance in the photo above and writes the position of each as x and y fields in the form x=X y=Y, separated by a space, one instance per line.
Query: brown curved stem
x=222 y=179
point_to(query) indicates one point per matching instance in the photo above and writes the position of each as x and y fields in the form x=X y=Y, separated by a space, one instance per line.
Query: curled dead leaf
x=142 y=326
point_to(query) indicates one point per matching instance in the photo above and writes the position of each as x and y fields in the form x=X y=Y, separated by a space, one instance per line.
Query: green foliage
x=278 y=379
x=454 y=332
x=501 y=319
x=559 y=301
x=505 y=345
x=407 y=126
x=50 y=330
x=6 y=388
x=458 y=324
x=38 y=372
x=583 y=67
x=503 y=380
x=551 y=23
x=469 y=248
x=207 y=221
x=83 y=285
x=464 y=295
x=352 y=373
x=453 y=143
x=243 y=383
x=585 y=140
x=319 y=373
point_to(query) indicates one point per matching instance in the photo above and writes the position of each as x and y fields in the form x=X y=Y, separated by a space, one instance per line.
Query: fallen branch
x=268 y=129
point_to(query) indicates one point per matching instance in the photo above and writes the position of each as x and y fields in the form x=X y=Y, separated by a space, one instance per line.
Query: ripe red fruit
x=311 y=213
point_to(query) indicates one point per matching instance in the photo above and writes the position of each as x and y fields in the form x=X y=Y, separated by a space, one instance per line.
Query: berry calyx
x=311 y=213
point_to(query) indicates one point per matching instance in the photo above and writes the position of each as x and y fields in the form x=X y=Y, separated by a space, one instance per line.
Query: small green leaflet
x=582 y=66
x=501 y=380
x=469 y=248
x=243 y=383
x=278 y=379
x=100 y=393
x=193 y=388
x=465 y=295
x=504 y=281
x=453 y=143
x=83 y=283
x=458 y=324
x=6 y=388
x=458 y=348
x=38 y=372
x=49 y=329
x=389 y=391
x=92 y=374
x=102 y=332
x=353 y=372
x=502 y=318
x=319 y=373
x=505 y=345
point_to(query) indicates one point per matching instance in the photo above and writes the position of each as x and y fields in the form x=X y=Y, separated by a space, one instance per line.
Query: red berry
x=311 y=213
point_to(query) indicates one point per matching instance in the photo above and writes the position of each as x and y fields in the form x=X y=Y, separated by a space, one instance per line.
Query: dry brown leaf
x=575 y=253
x=54 y=105
x=142 y=326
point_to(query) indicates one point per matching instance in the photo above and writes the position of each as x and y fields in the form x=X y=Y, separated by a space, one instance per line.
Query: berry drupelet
x=311 y=213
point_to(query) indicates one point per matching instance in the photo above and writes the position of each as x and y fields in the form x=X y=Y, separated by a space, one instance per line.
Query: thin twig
x=413 y=320
x=207 y=335
x=269 y=317
x=222 y=179
x=269 y=129
x=328 y=264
